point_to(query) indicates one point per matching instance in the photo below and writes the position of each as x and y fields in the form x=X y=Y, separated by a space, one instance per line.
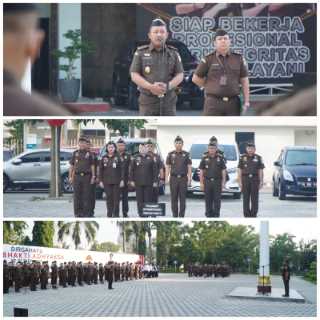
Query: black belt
x=224 y=99
x=249 y=175
x=82 y=173
x=179 y=175
x=213 y=179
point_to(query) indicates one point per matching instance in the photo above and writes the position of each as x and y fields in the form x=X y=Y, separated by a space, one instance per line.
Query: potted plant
x=69 y=87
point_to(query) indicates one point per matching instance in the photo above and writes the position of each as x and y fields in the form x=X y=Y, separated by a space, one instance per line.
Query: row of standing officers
x=145 y=171
x=30 y=275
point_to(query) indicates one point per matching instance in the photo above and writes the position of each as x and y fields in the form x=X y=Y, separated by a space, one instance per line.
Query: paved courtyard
x=31 y=204
x=168 y=295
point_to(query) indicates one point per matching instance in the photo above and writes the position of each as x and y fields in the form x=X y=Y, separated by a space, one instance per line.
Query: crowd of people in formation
x=40 y=275
x=208 y=270
x=118 y=171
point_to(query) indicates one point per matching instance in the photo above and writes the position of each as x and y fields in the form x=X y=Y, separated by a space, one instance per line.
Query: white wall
x=305 y=137
x=69 y=17
x=269 y=140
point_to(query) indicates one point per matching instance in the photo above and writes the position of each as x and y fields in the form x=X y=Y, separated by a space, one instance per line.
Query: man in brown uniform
x=157 y=70
x=250 y=176
x=212 y=179
x=178 y=167
x=125 y=159
x=220 y=74
x=160 y=170
x=111 y=178
x=143 y=176
x=21 y=44
x=82 y=175
x=93 y=185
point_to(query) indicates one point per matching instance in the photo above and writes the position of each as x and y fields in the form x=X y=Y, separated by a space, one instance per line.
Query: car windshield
x=301 y=157
x=197 y=150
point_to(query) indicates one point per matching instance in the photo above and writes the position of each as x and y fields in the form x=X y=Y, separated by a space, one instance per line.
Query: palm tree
x=75 y=229
x=125 y=232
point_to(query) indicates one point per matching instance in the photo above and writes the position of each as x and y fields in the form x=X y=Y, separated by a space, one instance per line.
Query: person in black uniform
x=286 y=272
x=111 y=178
x=250 y=176
x=143 y=176
x=179 y=169
x=125 y=159
x=212 y=180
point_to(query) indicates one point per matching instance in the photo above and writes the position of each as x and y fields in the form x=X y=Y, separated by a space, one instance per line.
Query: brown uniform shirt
x=250 y=165
x=17 y=102
x=179 y=162
x=110 y=169
x=213 y=67
x=143 y=170
x=82 y=160
x=212 y=166
x=156 y=66
x=159 y=162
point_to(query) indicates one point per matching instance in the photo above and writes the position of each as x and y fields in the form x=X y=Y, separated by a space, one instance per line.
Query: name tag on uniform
x=147 y=54
x=255 y=160
x=223 y=80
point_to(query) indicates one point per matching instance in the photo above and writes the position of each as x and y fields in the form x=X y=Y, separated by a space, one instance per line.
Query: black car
x=295 y=172
x=125 y=92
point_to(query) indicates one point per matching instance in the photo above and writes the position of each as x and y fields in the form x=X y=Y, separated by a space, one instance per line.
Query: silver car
x=32 y=169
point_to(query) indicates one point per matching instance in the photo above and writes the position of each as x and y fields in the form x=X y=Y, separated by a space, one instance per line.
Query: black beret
x=18 y=8
x=178 y=139
x=220 y=33
x=157 y=23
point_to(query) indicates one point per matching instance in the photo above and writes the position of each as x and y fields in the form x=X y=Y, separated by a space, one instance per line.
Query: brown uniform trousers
x=143 y=171
x=110 y=171
x=212 y=167
x=82 y=160
x=93 y=188
x=16 y=102
x=223 y=76
x=157 y=66
x=250 y=167
x=179 y=162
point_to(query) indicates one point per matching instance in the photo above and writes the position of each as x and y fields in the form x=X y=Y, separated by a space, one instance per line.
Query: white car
x=231 y=153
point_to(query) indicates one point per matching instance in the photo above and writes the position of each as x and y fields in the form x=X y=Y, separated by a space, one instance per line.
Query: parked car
x=295 y=172
x=125 y=92
x=231 y=154
x=132 y=147
x=31 y=169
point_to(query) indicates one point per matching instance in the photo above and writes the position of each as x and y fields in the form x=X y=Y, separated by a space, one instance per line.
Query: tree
x=105 y=247
x=75 y=231
x=14 y=232
x=43 y=233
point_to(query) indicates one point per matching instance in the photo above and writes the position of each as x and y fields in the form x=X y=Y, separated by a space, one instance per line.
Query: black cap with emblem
x=213 y=139
x=149 y=141
x=250 y=144
x=158 y=23
x=120 y=140
x=219 y=33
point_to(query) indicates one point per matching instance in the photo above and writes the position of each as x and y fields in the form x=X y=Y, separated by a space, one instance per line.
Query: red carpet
x=79 y=107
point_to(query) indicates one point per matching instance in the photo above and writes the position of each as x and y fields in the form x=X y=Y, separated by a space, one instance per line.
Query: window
x=32 y=157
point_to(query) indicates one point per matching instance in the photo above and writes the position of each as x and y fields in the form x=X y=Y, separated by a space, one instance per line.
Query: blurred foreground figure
x=21 y=45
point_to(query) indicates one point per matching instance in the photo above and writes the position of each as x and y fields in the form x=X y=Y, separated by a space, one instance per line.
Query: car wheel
x=5 y=183
x=237 y=195
x=133 y=97
x=275 y=192
x=66 y=186
x=281 y=192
